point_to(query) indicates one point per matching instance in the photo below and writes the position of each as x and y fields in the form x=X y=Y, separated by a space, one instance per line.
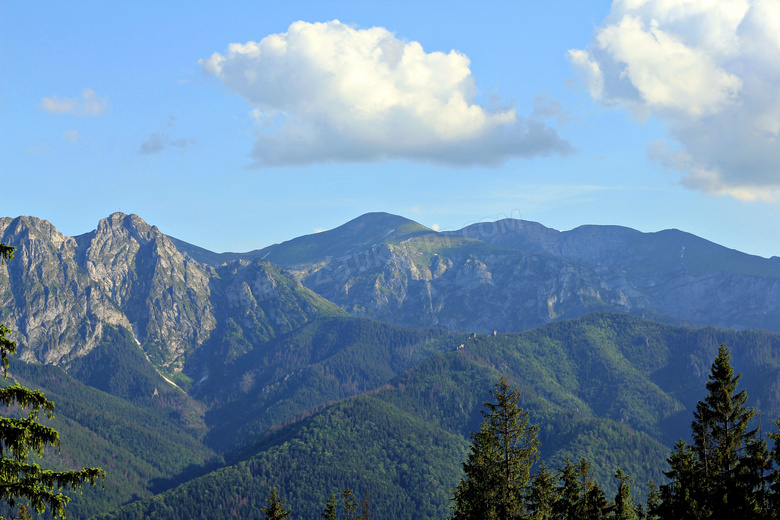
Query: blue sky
x=646 y=114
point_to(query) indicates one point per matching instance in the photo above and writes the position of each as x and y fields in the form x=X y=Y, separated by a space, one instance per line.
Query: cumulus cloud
x=328 y=92
x=710 y=70
x=88 y=105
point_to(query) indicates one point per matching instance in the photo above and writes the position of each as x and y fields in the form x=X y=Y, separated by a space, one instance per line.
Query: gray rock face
x=59 y=292
x=511 y=275
x=461 y=288
x=508 y=276
x=669 y=273
x=47 y=298
x=164 y=295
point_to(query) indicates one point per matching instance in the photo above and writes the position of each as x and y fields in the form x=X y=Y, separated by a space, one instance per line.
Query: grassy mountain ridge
x=452 y=278
x=359 y=234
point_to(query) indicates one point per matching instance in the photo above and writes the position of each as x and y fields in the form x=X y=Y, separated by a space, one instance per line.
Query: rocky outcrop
x=165 y=295
x=511 y=275
x=460 y=286
x=56 y=310
x=59 y=292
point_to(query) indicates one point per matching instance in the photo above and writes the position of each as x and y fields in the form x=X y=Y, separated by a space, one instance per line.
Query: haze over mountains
x=379 y=337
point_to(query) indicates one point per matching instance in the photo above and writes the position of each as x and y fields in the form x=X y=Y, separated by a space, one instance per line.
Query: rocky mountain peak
x=25 y=228
x=120 y=224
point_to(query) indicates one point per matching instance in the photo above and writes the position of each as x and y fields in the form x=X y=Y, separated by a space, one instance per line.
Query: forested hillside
x=627 y=417
x=200 y=387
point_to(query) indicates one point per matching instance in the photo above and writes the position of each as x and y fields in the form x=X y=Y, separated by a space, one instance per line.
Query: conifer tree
x=568 y=506
x=652 y=503
x=350 y=505
x=625 y=508
x=499 y=463
x=19 y=438
x=773 y=479
x=365 y=506
x=722 y=474
x=275 y=509
x=542 y=495
x=681 y=497
x=329 y=513
x=593 y=502
x=751 y=499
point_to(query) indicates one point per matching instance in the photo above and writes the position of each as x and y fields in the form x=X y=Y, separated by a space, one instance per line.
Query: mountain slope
x=672 y=272
x=357 y=235
x=141 y=445
x=404 y=466
x=60 y=293
x=512 y=275
x=322 y=362
x=615 y=389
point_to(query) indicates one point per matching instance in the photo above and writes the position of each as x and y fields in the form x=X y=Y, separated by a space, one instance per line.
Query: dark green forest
x=388 y=412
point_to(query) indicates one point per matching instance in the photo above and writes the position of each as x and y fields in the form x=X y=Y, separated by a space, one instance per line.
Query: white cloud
x=328 y=92
x=88 y=105
x=709 y=69
x=72 y=136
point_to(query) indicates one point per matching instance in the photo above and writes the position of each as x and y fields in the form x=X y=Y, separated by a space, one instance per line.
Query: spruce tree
x=721 y=475
x=649 y=512
x=329 y=513
x=625 y=508
x=275 y=509
x=499 y=463
x=542 y=495
x=568 y=506
x=750 y=498
x=350 y=505
x=680 y=498
x=365 y=506
x=593 y=502
x=773 y=479
x=19 y=438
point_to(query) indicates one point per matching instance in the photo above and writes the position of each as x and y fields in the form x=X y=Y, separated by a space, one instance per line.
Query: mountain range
x=359 y=356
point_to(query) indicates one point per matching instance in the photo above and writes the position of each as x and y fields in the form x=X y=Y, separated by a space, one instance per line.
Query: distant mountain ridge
x=60 y=292
x=468 y=279
x=509 y=275
x=283 y=381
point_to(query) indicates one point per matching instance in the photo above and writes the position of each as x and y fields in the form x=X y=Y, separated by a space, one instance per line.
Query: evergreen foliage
x=329 y=513
x=21 y=479
x=542 y=495
x=498 y=471
x=350 y=505
x=625 y=508
x=498 y=467
x=406 y=466
x=723 y=473
x=275 y=509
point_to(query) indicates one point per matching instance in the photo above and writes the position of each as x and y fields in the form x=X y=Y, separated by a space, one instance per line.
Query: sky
x=236 y=125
